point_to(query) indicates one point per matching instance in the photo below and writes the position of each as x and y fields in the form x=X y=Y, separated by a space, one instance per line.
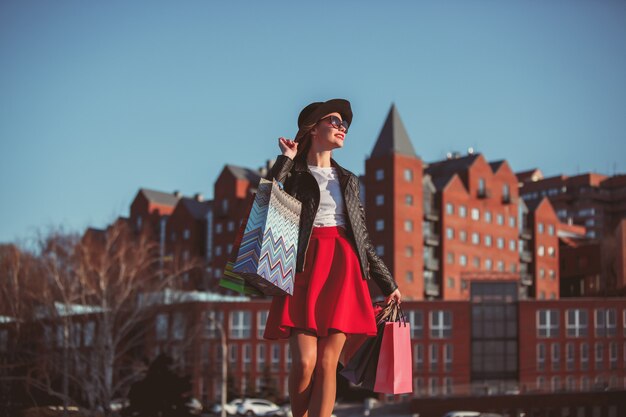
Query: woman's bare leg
x=325 y=378
x=303 y=347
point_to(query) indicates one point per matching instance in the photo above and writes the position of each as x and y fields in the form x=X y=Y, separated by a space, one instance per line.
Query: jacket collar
x=301 y=165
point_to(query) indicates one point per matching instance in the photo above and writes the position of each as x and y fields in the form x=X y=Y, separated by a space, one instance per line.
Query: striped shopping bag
x=267 y=254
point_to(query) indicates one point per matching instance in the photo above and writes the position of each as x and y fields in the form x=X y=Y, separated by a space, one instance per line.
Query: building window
x=449 y=208
x=89 y=330
x=408 y=175
x=584 y=356
x=488 y=216
x=475 y=214
x=162 y=326
x=556 y=356
x=416 y=318
x=512 y=245
x=475 y=238
x=380 y=225
x=552 y=275
x=240 y=324
x=476 y=261
x=500 y=243
x=447 y=357
x=556 y=383
x=512 y=221
x=487 y=240
x=409 y=276
x=577 y=323
x=218 y=250
x=462 y=211
x=488 y=264
x=613 y=355
x=261 y=321
x=408 y=251
x=186 y=234
x=433 y=357
x=275 y=356
x=380 y=174
x=178 y=326
x=599 y=356
x=481 y=185
x=542 y=273
x=463 y=260
x=449 y=233
x=551 y=251
x=260 y=357
x=218 y=228
x=380 y=250
x=450 y=257
x=500 y=266
x=506 y=191
x=418 y=353
x=605 y=322
x=247 y=356
x=408 y=225
x=540 y=228
x=380 y=199
x=551 y=230
x=408 y=200
x=211 y=318
x=541 y=356
x=440 y=324
x=462 y=235
x=540 y=250
x=230 y=226
x=450 y=282
x=570 y=356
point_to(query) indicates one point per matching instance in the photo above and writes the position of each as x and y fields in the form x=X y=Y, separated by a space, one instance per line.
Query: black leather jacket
x=300 y=183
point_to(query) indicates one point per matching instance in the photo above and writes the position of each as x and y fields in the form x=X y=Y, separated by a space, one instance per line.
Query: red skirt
x=329 y=294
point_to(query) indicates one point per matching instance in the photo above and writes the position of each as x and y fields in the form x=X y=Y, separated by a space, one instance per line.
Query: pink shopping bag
x=394 y=373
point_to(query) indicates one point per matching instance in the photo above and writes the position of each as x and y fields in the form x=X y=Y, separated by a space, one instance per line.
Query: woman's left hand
x=396 y=296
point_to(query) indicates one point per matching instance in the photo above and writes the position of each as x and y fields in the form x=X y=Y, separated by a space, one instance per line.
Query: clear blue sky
x=101 y=98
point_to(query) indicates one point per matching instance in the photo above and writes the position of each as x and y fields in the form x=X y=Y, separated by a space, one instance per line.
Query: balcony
x=431 y=213
x=431 y=239
x=431 y=288
x=525 y=233
x=526 y=278
x=431 y=264
x=525 y=256
x=484 y=193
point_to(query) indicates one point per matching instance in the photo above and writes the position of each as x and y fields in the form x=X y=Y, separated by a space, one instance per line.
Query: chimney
x=198 y=197
x=177 y=194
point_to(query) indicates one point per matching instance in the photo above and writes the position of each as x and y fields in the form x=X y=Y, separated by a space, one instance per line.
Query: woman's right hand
x=288 y=147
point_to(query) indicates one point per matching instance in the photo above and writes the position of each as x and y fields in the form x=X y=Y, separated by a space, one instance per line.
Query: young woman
x=335 y=259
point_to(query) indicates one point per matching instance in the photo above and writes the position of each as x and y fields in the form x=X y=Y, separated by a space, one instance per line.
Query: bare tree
x=93 y=313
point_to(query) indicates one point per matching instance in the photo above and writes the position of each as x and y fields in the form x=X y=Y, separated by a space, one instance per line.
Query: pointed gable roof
x=393 y=138
x=159 y=197
x=197 y=209
x=244 y=173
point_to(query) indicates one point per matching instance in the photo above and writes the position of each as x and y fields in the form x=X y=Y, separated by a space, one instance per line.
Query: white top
x=331 y=211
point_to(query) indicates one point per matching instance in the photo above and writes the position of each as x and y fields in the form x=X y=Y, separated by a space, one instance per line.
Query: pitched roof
x=393 y=138
x=495 y=165
x=244 y=173
x=448 y=167
x=168 y=199
x=198 y=209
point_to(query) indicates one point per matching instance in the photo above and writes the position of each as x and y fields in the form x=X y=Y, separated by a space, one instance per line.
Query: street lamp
x=220 y=328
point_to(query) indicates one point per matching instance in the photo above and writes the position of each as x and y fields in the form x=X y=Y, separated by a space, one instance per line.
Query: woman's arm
x=284 y=162
x=377 y=268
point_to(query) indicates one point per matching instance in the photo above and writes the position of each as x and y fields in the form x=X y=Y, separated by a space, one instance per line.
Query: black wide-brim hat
x=315 y=111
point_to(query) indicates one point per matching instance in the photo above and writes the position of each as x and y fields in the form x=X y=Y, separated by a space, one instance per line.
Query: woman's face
x=326 y=136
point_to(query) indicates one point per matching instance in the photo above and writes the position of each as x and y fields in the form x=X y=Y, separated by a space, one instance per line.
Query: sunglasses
x=337 y=123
